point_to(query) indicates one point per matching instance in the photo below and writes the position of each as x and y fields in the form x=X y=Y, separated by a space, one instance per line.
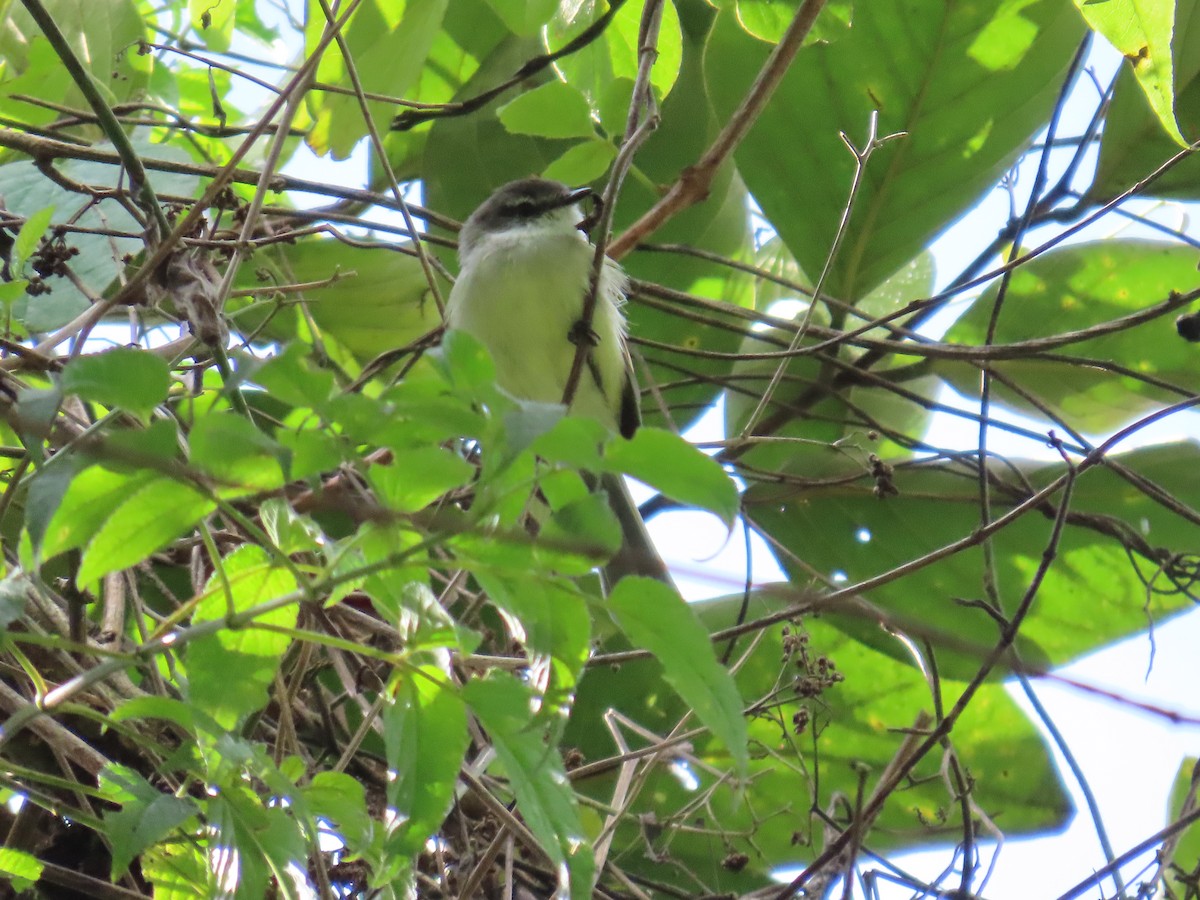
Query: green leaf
x=1141 y=31
x=553 y=617
x=241 y=458
x=146 y=816
x=671 y=465
x=579 y=536
x=21 y=868
x=524 y=17
x=535 y=771
x=615 y=53
x=1094 y=594
x=341 y=799
x=1071 y=289
x=246 y=656
x=47 y=488
x=418 y=476
x=853 y=726
x=90 y=498
x=26 y=191
x=554 y=110
x=389 y=43
x=146 y=520
x=1134 y=142
x=655 y=617
x=29 y=237
x=582 y=164
x=968 y=84
x=367 y=298
x=425 y=732
x=133 y=380
x=767 y=20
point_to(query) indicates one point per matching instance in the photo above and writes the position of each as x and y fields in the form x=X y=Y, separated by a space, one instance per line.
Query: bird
x=524 y=271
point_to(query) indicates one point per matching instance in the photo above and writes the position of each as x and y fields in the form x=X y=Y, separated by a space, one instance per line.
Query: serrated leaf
x=425 y=732
x=656 y=618
x=21 y=868
x=240 y=457
x=671 y=465
x=246 y=656
x=90 y=498
x=133 y=380
x=535 y=771
x=146 y=816
x=419 y=476
x=147 y=519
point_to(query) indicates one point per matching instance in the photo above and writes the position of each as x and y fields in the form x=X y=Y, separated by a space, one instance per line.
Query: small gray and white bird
x=524 y=274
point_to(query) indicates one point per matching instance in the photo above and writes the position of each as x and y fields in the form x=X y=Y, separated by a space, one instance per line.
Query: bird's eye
x=525 y=208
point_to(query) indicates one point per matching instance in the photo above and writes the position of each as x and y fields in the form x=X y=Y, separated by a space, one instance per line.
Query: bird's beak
x=590 y=218
x=578 y=194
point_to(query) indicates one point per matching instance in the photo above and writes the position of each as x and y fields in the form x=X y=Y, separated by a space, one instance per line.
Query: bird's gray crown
x=514 y=204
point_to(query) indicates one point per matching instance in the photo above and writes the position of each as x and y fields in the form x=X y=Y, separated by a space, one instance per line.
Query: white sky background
x=1130 y=757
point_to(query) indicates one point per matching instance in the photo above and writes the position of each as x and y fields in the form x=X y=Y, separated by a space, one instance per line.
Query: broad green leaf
x=291 y=531
x=101 y=32
x=20 y=868
x=671 y=465
x=767 y=20
x=545 y=798
x=1071 y=289
x=858 y=723
x=968 y=84
x=368 y=299
x=582 y=164
x=133 y=380
x=524 y=17
x=101 y=256
x=551 y=618
x=425 y=732
x=46 y=490
x=1094 y=594
x=291 y=376
x=654 y=617
x=147 y=815
x=246 y=656
x=389 y=42
x=552 y=110
x=146 y=520
x=1141 y=31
